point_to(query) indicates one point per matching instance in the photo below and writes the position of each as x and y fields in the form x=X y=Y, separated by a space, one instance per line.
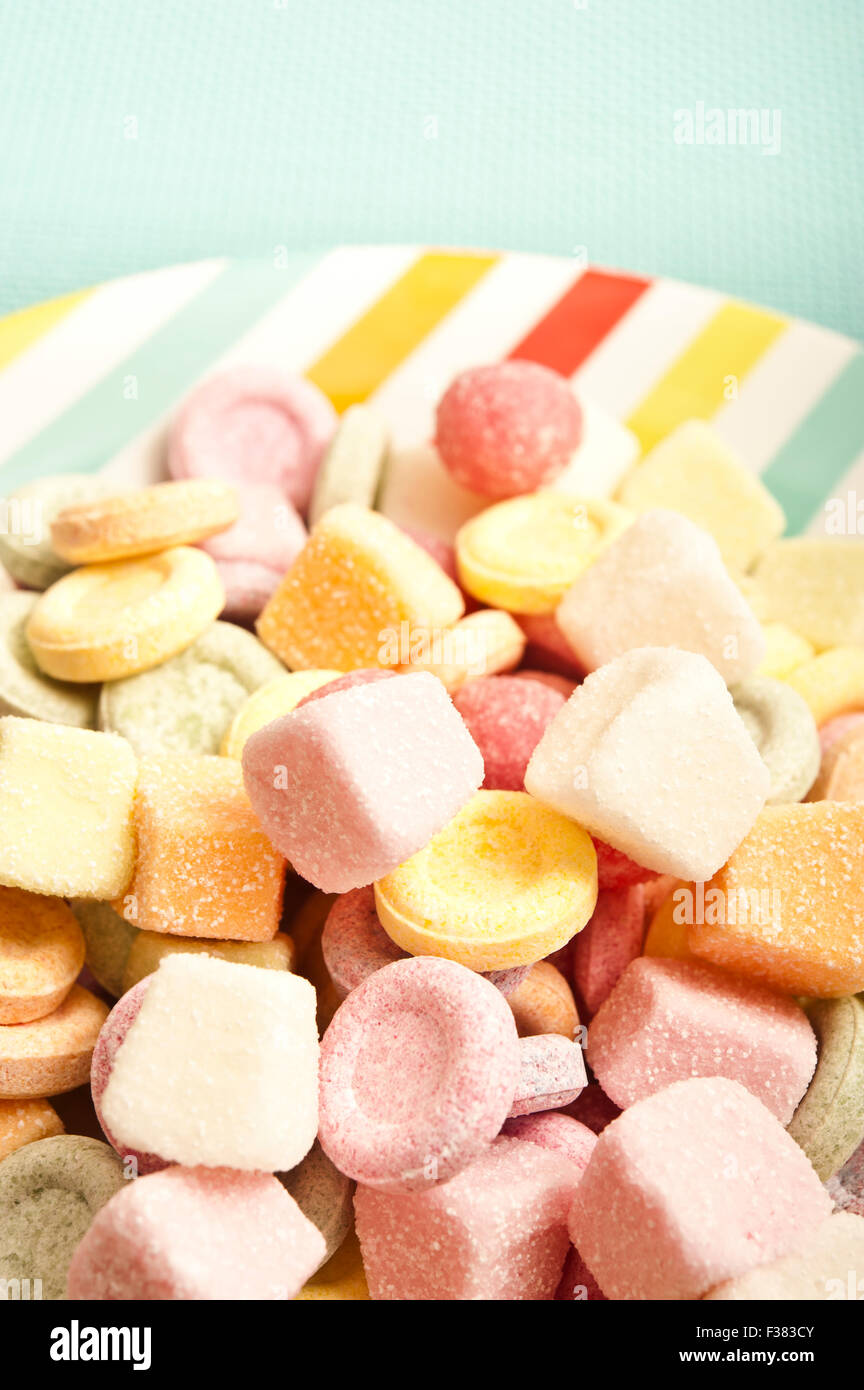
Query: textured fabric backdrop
x=140 y=132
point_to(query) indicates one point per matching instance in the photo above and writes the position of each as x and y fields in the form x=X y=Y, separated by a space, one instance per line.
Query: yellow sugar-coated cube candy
x=341 y=1278
x=524 y=554
x=102 y=622
x=816 y=585
x=204 y=868
x=24 y=1121
x=667 y=930
x=831 y=683
x=695 y=472
x=787 y=907
x=149 y=948
x=784 y=650
x=270 y=702
x=505 y=883
x=482 y=644
x=353 y=585
x=65 y=809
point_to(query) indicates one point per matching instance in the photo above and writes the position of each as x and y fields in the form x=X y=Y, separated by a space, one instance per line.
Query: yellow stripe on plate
x=19 y=331
x=698 y=383
x=373 y=347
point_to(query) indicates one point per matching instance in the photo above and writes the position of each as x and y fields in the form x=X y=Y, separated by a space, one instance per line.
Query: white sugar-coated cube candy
x=219 y=1068
x=607 y=450
x=417 y=491
x=650 y=755
x=662 y=583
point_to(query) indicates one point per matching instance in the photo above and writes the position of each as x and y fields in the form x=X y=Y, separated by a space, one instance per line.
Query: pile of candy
x=538 y=797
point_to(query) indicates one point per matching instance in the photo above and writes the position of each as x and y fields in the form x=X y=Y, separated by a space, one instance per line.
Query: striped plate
x=89 y=381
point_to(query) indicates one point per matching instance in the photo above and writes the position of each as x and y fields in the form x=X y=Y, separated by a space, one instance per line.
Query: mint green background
x=302 y=123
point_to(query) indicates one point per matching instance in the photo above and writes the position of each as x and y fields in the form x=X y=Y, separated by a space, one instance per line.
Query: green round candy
x=25 y=541
x=352 y=466
x=829 y=1123
x=24 y=690
x=50 y=1191
x=780 y=724
x=185 y=705
x=108 y=940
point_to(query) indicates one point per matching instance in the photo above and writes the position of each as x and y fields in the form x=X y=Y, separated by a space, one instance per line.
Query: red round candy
x=506 y=717
x=507 y=428
x=368 y=676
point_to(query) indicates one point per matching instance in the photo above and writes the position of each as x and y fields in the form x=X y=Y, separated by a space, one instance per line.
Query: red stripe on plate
x=579 y=322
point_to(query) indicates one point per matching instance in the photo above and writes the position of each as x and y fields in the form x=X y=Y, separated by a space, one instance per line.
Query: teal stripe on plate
x=146 y=384
x=821 y=450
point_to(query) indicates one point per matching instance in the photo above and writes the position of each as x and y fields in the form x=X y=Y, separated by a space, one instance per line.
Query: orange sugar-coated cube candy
x=205 y=868
x=355 y=583
x=787 y=908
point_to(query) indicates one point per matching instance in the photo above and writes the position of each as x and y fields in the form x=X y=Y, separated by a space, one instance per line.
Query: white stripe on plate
x=781 y=390
x=291 y=335
x=651 y=336
x=84 y=345
x=850 y=491
x=484 y=326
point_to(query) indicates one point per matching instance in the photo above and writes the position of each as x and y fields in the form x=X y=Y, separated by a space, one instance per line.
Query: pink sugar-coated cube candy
x=546 y=647
x=352 y=785
x=551 y=1073
x=578 y=1283
x=111 y=1036
x=418 y=1070
x=197 y=1233
x=616 y=869
x=367 y=676
x=593 y=1108
x=694 y=1185
x=496 y=1231
x=563 y=686
x=354 y=945
x=838 y=726
x=507 y=428
x=253 y=425
x=602 y=949
x=666 y=1020
x=552 y=1130
x=506 y=718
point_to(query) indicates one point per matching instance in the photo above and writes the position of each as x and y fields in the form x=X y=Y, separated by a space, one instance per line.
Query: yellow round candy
x=479 y=645
x=102 y=622
x=150 y=948
x=524 y=554
x=784 y=650
x=270 y=702
x=139 y=523
x=831 y=683
x=505 y=883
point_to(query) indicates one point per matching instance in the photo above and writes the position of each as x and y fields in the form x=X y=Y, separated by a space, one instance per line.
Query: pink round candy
x=418 y=1070
x=552 y=1130
x=254 y=553
x=507 y=428
x=835 y=728
x=354 y=943
x=108 y=1043
x=616 y=869
x=564 y=686
x=248 y=587
x=253 y=425
x=368 y=676
x=506 y=718
x=551 y=1074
